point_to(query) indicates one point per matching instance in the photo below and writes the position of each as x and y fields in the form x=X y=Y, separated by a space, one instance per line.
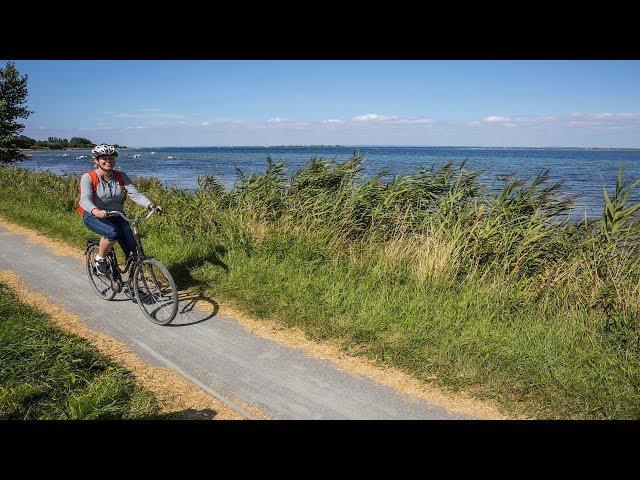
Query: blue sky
x=474 y=103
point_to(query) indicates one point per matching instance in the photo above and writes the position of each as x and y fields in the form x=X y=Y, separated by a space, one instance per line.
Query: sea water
x=582 y=171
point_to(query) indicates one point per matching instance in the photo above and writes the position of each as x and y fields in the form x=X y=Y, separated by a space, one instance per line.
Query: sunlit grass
x=51 y=375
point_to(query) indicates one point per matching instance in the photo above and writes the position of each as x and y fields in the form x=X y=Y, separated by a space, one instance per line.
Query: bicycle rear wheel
x=101 y=283
x=155 y=291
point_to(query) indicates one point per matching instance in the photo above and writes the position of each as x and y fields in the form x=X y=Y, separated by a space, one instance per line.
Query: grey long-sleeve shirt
x=109 y=194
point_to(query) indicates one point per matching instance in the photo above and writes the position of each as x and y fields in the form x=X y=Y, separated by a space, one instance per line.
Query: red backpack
x=94 y=185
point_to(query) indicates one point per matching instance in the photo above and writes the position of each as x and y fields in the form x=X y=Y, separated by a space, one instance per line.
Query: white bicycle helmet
x=104 y=150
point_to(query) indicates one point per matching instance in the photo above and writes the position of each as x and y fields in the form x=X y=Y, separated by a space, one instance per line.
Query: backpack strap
x=94 y=186
x=94 y=180
x=118 y=176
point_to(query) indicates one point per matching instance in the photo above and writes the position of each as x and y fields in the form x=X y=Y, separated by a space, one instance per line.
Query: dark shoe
x=128 y=291
x=102 y=267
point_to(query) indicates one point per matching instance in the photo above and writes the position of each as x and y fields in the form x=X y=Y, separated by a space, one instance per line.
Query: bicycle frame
x=138 y=255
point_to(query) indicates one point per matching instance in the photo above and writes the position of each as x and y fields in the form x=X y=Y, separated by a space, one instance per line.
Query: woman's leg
x=104 y=228
x=104 y=246
x=125 y=236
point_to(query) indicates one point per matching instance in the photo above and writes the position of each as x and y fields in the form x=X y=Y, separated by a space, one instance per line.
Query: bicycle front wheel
x=155 y=291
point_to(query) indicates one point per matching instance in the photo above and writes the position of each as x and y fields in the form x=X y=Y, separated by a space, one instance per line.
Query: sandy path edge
x=402 y=382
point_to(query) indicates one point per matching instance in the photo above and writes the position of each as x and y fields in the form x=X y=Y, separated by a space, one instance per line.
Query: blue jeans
x=113 y=228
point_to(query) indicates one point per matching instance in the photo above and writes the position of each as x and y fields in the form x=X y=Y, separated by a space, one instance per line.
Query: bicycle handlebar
x=113 y=213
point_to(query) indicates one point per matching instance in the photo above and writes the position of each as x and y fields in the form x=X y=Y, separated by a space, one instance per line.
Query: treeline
x=55 y=143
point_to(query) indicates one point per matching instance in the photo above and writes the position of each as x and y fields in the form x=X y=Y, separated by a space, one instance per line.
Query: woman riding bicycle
x=105 y=189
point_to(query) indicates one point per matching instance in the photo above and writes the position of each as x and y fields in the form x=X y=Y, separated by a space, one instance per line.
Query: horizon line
x=389 y=145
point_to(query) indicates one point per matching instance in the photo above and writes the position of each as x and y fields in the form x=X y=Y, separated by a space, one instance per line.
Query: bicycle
x=151 y=283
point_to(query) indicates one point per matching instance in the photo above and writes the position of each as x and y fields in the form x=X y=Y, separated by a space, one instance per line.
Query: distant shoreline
x=53 y=149
x=60 y=149
x=458 y=147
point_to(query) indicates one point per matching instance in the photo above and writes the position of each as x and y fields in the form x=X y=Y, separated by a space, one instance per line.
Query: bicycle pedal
x=95 y=271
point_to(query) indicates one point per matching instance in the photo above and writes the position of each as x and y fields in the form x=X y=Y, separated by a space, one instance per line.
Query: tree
x=13 y=98
x=25 y=142
x=57 y=143
x=79 y=142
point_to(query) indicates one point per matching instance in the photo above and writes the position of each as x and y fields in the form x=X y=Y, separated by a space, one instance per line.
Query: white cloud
x=495 y=119
x=333 y=121
x=532 y=119
x=226 y=120
x=572 y=127
x=277 y=120
x=617 y=116
x=604 y=120
x=421 y=120
x=572 y=120
x=389 y=120
x=369 y=117
x=411 y=121
x=631 y=116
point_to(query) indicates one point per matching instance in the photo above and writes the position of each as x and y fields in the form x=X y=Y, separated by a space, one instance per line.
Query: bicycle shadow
x=181 y=272
x=194 y=308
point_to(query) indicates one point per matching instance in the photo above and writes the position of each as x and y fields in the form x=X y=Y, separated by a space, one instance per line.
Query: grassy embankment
x=496 y=293
x=48 y=374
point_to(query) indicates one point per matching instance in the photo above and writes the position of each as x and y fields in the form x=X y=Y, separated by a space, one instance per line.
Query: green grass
x=497 y=292
x=48 y=374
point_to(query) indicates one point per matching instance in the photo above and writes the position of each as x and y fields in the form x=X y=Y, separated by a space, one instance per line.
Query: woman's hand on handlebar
x=99 y=213
x=158 y=208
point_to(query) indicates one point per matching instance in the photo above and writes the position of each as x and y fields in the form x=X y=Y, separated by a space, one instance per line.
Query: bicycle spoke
x=146 y=284
x=156 y=293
